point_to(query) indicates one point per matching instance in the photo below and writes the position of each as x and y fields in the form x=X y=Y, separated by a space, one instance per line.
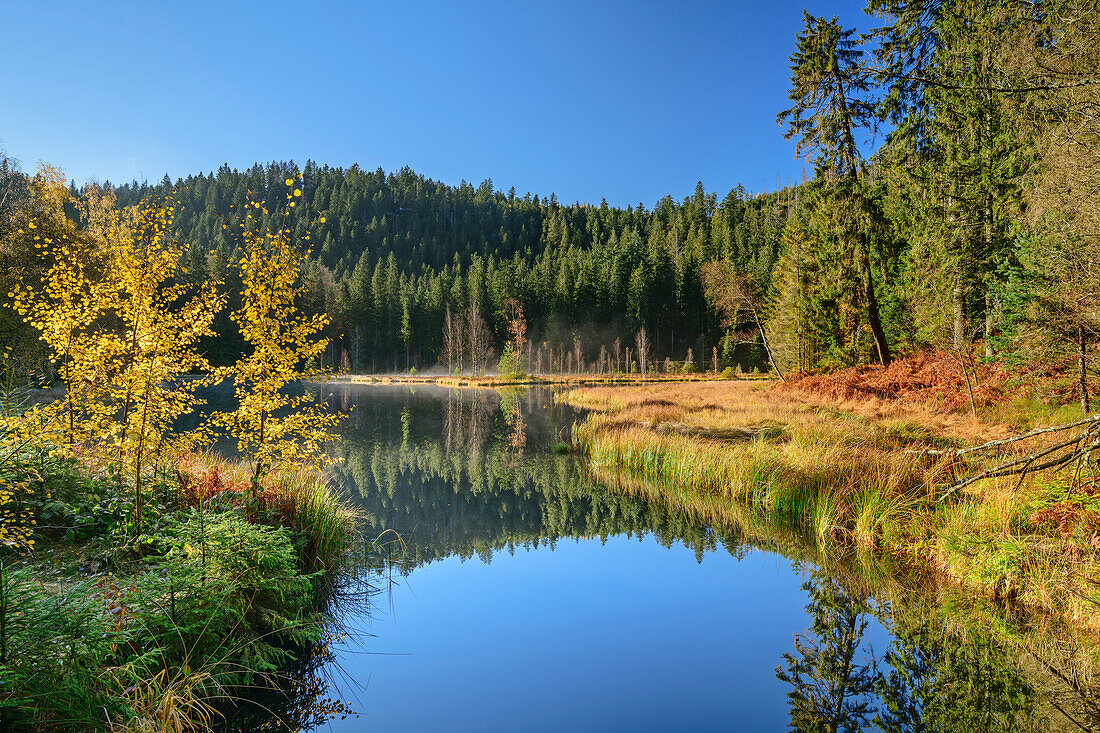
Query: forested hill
x=397 y=249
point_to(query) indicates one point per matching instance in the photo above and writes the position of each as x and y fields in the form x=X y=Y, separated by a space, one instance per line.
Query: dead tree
x=734 y=297
x=641 y=342
x=477 y=338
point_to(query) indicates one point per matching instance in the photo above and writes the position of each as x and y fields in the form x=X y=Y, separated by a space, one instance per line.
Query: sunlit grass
x=849 y=475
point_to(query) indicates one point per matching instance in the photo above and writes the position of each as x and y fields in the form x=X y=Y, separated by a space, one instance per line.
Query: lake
x=514 y=591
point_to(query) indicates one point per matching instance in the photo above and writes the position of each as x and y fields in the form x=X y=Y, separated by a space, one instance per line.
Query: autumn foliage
x=926 y=378
x=124 y=328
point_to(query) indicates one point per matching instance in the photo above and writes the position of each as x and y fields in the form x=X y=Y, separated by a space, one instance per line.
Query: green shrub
x=57 y=643
x=226 y=578
x=510 y=363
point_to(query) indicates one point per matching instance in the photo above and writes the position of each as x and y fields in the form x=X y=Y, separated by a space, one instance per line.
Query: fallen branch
x=1010 y=468
x=1006 y=441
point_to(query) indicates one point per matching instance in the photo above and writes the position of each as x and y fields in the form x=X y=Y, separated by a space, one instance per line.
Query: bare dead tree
x=449 y=339
x=1078 y=451
x=734 y=297
x=641 y=342
x=617 y=351
x=477 y=338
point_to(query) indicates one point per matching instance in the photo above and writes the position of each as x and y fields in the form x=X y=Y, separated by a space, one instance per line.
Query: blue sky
x=615 y=100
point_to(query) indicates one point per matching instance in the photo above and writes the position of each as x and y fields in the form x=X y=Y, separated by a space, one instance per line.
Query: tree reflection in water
x=449 y=471
x=832 y=674
x=931 y=678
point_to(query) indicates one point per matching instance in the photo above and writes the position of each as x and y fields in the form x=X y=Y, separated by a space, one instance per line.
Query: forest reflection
x=932 y=677
x=472 y=473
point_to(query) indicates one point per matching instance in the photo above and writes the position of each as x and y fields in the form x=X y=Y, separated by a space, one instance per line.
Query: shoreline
x=842 y=475
x=497 y=381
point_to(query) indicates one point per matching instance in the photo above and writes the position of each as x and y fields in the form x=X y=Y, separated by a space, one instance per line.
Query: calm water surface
x=525 y=595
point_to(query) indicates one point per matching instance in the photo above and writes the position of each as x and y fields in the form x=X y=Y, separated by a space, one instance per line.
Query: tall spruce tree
x=830 y=88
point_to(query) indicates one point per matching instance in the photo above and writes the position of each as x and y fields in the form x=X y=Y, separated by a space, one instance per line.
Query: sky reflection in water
x=530 y=597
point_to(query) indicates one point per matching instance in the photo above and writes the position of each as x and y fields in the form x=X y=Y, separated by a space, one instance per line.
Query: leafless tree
x=477 y=338
x=733 y=297
x=617 y=351
x=450 y=337
x=641 y=342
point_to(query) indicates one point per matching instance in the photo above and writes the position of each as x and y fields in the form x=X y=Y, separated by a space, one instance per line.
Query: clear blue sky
x=628 y=101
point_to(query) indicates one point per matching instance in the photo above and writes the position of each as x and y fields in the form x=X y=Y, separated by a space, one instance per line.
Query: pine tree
x=829 y=86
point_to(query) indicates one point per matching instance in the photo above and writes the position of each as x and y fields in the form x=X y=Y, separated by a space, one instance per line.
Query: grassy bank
x=853 y=475
x=223 y=591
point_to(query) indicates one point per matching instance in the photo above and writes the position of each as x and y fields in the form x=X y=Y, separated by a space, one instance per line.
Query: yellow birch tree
x=284 y=346
x=122 y=338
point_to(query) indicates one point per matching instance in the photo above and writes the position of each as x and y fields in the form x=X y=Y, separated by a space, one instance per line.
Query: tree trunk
x=875 y=320
x=1082 y=372
x=958 y=310
x=989 y=303
x=767 y=349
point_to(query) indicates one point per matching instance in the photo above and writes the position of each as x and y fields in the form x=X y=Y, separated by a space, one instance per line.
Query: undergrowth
x=220 y=593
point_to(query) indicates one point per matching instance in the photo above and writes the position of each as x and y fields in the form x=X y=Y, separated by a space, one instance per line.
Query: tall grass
x=306 y=502
x=847 y=479
x=300 y=499
x=855 y=491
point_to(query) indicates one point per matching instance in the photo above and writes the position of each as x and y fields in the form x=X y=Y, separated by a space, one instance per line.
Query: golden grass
x=840 y=473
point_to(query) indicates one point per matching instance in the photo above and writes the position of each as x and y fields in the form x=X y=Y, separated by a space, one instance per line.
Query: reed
x=845 y=475
x=308 y=503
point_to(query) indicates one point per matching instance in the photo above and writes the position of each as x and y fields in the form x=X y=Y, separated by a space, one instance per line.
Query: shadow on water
x=464 y=474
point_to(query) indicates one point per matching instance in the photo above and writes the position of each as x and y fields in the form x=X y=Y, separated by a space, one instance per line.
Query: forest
x=392 y=253
x=951 y=206
x=980 y=191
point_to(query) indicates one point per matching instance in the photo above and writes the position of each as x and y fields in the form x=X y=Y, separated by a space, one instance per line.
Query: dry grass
x=839 y=472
